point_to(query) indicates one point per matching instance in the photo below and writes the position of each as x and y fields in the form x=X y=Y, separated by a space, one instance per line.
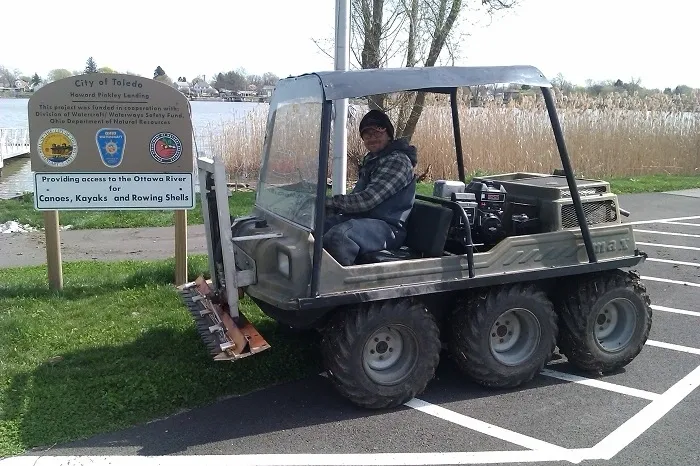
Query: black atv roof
x=361 y=83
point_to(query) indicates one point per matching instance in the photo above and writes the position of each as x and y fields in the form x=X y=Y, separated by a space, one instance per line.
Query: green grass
x=653 y=183
x=22 y=209
x=116 y=348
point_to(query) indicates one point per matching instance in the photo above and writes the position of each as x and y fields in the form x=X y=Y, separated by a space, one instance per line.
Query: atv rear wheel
x=606 y=321
x=382 y=354
x=504 y=337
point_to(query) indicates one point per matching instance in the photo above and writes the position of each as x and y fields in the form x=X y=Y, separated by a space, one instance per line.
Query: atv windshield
x=289 y=172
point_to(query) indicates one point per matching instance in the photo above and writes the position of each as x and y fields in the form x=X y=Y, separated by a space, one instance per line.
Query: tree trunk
x=371 y=51
x=412 y=33
x=442 y=30
x=414 y=116
x=411 y=61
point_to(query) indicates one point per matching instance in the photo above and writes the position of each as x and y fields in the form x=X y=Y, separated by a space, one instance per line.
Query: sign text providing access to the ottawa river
x=81 y=191
x=112 y=142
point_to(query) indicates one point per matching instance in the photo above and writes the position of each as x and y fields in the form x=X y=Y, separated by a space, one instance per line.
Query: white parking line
x=667 y=280
x=310 y=459
x=675 y=311
x=683 y=224
x=621 y=437
x=662 y=220
x=672 y=246
x=668 y=261
x=687 y=235
x=485 y=428
x=671 y=346
x=601 y=384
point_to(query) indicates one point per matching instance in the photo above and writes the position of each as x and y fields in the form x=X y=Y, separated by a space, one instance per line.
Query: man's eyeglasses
x=373 y=132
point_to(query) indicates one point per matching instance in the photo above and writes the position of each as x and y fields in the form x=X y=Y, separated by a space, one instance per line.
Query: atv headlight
x=283 y=263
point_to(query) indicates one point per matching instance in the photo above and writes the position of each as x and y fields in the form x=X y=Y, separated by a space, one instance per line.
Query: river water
x=207 y=116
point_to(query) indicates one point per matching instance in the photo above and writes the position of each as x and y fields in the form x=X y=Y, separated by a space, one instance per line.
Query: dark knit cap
x=379 y=119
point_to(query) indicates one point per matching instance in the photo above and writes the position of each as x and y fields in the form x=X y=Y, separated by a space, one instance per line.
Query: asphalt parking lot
x=644 y=415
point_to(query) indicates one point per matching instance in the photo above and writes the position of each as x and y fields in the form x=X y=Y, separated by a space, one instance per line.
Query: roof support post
x=569 y=172
x=320 y=213
x=458 y=135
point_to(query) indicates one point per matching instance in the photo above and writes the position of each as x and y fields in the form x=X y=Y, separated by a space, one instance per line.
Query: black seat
x=427 y=228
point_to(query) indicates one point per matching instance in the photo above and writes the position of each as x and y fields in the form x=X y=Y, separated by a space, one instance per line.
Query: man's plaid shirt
x=392 y=172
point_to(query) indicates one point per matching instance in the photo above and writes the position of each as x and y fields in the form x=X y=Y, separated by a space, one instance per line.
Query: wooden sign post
x=110 y=142
x=53 y=249
x=180 y=246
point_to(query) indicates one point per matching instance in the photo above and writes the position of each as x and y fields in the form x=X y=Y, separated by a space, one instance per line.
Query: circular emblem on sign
x=57 y=147
x=111 y=148
x=166 y=148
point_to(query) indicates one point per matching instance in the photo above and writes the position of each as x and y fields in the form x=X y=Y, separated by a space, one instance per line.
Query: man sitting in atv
x=373 y=215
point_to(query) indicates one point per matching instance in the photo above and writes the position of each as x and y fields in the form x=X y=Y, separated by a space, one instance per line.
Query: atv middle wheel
x=504 y=337
x=382 y=354
x=606 y=321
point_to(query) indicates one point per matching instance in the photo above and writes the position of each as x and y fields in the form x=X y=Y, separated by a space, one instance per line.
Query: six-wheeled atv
x=498 y=270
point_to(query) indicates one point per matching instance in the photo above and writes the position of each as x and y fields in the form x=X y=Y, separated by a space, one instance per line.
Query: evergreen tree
x=161 y=76
x=90 y=66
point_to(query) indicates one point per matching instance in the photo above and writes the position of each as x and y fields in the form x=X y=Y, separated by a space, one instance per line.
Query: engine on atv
x=516 y=204
x=492 y=215
x=490 y=199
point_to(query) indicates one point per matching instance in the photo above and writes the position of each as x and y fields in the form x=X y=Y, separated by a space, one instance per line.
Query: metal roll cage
x=452 y=91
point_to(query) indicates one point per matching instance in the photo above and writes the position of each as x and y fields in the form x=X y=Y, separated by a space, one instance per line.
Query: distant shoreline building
x=200 y=89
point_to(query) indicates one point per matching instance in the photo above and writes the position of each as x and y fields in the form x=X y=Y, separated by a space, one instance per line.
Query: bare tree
x=438 y=19
x=270 y=79
x=59 y=73
x=8 y=77
x=442 y=20
x=417 y=32
x=374 y=27
x=412 y=12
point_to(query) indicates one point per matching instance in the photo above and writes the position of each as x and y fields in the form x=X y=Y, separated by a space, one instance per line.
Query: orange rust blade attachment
x=225 y=339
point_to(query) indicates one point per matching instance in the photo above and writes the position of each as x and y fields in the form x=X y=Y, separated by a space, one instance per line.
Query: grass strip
x=653 y=183
x=116 y=348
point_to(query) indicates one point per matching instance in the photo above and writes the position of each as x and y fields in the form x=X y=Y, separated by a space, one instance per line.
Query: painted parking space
x=572 y=410
x=650 y=372
x=561 y=417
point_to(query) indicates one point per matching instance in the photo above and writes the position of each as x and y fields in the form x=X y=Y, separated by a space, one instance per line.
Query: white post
x=342 y=63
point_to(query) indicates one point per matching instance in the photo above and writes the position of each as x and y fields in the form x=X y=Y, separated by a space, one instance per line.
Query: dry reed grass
x=616 y=135
x=239 y=144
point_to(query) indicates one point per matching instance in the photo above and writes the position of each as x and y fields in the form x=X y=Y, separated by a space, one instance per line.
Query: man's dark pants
x=345 y=238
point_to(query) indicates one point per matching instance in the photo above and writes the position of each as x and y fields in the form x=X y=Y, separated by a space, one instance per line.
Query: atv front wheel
x=382 y=354
x=606 y=321
x=504 y=337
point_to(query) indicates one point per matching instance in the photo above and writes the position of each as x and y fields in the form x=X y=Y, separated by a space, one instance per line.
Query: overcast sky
x=582 y=39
